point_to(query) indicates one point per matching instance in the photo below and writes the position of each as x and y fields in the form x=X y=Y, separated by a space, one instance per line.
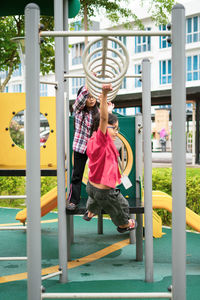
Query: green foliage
x=47 y=183
x=13 y=26
x=162 y=180
x=116 y=11
x=160 y=9
x=16 y=135
x=14 y=185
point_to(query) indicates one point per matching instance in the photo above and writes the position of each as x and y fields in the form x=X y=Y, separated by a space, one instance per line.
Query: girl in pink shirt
x=104 y=173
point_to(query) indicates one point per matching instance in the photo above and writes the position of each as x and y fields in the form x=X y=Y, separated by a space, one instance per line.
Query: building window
x=76 y=84
x=17 y=72
x=193 y=68
x=76 y=26
x=6 y=89
x=143 y=43
x=17 y=88
x=193 y=29
x=43 y=90
x=123 y=85
x=163 y=39
x=3 y=74
x=165 y=71
x=138 y=82
x=93 y=47
x=116 y=46
x=77 y=52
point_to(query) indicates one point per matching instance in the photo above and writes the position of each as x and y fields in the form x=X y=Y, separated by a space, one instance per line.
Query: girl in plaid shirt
x=85 y=108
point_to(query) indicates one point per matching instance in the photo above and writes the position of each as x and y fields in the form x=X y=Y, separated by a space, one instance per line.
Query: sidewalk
x=164 y=159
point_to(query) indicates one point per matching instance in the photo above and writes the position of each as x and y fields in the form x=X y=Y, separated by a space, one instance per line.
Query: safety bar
x=14 y=258
x=104 y=33
x=106 y=295
x=13 y=228
x=13 y=197
x=83 y=76
x=51 y=275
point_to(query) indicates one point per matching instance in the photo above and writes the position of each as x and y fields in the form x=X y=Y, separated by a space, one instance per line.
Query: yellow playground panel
x=11 y=155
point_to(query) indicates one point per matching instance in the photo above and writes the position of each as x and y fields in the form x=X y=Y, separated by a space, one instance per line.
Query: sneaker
x=71 y=206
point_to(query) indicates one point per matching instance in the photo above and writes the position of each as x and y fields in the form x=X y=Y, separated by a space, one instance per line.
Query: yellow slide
x=163 y=200
x=160 y=200
x=48 y=202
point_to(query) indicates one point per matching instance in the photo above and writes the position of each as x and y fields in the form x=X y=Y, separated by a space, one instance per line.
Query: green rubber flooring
x=115 y=272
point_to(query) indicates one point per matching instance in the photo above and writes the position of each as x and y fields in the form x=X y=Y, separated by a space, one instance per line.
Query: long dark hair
x=94 y=110
x=112 y=119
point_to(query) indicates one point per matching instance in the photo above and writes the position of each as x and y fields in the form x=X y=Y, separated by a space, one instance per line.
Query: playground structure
x=105 y=64
x=33 y=152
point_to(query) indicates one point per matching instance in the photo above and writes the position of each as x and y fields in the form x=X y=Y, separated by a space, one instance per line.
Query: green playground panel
x=127 y=130
x=13 y=7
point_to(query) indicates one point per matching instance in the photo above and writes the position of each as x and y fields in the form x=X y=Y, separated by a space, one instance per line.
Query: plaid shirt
x=83 y=122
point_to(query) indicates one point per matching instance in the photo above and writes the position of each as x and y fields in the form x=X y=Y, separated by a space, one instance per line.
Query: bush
x=162 y=180
x=15 y=185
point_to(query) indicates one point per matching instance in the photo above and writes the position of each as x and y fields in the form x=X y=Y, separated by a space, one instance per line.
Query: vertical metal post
x=146 y=108
x=70 y=224
x=66 y=88
x=139 y=165
x=60 y=145
x=193 y=132
x=178 y=153
x=32 y=16
x=100 y=223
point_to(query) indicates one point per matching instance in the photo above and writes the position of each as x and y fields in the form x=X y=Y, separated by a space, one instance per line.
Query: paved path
x=164 y=159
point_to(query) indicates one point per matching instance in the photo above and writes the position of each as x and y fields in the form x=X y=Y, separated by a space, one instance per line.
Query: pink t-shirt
x=103 y=160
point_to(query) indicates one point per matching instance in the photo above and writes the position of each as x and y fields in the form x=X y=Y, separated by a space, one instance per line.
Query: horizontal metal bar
x=74 y=76
x=105 y=33
x=51 y=275
x=13 y=197
x=13 y=228
x=83 y=76
x=49 y=82
x=105 y=295
x=133 y=76
x=13 y=258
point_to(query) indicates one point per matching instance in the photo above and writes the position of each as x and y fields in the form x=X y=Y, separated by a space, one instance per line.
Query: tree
x=9 y=27
x=115 y=10
x=13 y=26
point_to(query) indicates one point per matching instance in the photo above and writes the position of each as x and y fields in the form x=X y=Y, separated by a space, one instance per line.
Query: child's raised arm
x=104 y=107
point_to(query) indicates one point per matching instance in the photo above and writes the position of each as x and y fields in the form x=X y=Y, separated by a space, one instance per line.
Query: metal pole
x=70 y=225
x=146 y=108
x=132 y=234
x=139 y=165
x=178 y=153
x=32 y=16
x=193 y=132
x=60 y=146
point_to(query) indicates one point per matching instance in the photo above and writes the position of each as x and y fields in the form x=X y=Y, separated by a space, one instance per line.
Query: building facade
x=156 y=49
